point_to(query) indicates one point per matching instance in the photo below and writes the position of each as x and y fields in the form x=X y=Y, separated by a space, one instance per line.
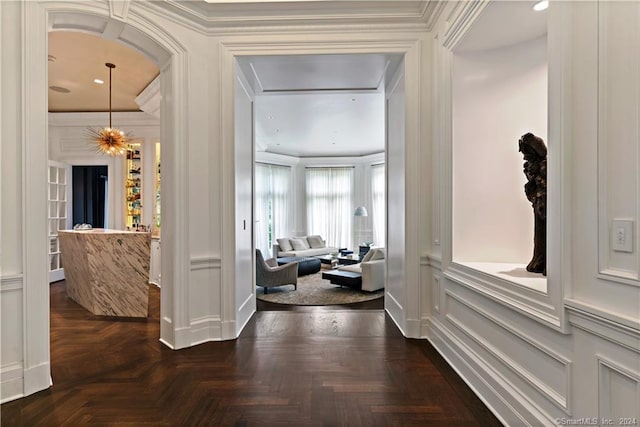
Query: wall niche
x=499 y=93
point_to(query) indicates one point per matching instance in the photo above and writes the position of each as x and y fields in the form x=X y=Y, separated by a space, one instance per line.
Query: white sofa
x=301 y=247
x=372 y=268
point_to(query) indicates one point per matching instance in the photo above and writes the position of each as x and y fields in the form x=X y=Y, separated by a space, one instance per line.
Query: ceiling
x=502 y=24
x=306 y=106
x=319 y=105
x=76 y=59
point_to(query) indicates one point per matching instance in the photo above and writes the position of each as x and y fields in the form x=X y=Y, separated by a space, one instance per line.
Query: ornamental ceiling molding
x=302 y=17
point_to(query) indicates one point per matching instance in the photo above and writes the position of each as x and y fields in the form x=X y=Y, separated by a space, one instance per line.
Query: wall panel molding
x=560 y=398
x=608 y=326
x=510 y=405
x=618 y=184
x=205 y=263
x=525 y=301
x=607 y=393
x=11 y=283
x=436 y=295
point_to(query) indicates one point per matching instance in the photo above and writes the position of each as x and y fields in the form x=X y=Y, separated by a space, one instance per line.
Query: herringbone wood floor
x=311 y=367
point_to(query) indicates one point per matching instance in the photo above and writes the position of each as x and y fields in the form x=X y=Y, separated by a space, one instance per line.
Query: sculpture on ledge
x=535 y=169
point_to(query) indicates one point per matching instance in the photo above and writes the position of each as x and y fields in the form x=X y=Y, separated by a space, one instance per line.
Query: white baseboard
x=37 y=378
x=11 y=382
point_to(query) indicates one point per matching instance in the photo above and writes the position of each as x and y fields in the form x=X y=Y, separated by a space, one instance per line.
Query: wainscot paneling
x=11 y=370
x=204 y=299
x=618 y=135
x=512 y=407
x=618 y=390
x=519 y=354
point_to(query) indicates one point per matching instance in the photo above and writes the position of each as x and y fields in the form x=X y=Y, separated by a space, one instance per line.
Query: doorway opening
x=311 y=116
x=89 y=195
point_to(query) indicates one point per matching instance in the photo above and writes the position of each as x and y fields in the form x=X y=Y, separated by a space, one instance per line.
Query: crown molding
x=220 y=19
x=149 y=99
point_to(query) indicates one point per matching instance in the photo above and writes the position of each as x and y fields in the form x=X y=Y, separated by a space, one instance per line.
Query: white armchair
x=372 y=268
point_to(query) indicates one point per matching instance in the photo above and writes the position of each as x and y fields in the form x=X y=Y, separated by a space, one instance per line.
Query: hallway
x=305 y=367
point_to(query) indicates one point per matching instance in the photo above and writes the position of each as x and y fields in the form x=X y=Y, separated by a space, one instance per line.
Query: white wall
x=498 y=96
x=581 y=359
x=11 y=218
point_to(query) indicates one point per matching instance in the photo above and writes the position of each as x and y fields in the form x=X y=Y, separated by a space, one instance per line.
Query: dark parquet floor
x=332 y=366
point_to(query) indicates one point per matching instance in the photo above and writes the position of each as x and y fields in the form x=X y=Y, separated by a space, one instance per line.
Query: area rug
x=313 y=290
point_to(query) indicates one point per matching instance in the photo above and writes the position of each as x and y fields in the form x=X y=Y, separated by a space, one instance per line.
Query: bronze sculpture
x=535 y=169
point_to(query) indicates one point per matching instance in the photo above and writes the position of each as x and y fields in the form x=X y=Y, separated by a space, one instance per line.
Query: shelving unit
x=133 y=191
x=156 y=211
x=57 y=216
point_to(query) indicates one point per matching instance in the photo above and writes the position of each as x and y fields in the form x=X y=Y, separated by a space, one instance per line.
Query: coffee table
x=343 y=278
x=342 y=260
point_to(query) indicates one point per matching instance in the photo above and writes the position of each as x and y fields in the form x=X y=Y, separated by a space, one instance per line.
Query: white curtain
x=330 y=204
x=261 y=230
x=272 y=205
x=378 y=214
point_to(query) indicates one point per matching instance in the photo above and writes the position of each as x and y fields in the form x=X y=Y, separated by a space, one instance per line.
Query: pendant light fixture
x=110 y=140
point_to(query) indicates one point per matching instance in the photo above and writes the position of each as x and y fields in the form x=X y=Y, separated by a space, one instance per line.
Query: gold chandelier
x=110 y=140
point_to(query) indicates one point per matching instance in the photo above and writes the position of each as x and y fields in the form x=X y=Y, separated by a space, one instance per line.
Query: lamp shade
x=360 y=211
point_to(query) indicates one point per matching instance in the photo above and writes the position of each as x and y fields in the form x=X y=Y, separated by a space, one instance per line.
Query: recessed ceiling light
x=540 y=6
x=353 y=99
x=277 y=130
x=98 y=81
x=59 y=89
x=269 y=117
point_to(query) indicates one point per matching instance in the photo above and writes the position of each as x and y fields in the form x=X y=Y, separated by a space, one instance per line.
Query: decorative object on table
x=109 y=140
x=269 y=274
x=345 y=252
x=313 y=290
x=334 y=260
x=535 y=169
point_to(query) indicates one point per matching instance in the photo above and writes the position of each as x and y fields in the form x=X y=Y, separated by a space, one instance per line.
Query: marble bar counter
x=107 y=271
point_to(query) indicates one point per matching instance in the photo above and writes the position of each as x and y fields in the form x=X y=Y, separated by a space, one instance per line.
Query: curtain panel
x=272 y=205
x=330 y=203
x=378 y=214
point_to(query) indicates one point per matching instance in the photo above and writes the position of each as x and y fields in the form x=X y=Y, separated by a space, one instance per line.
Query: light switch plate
x=622 y=235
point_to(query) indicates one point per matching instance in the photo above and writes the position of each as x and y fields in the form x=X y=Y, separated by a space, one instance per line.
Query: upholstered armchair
x=269 y=274
x=372 y=268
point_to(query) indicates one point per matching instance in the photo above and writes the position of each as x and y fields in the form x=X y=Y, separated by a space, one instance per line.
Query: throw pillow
x=377 y=254
x=367 y=256
x=285 y=245
x=315 y=242
x=299 y=244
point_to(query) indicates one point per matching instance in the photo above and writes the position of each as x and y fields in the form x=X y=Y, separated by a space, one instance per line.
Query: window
x=330 y=204
x=378 y=214
x=273 y=205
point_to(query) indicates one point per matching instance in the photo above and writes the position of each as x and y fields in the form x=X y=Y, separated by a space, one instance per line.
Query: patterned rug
x=313 y=290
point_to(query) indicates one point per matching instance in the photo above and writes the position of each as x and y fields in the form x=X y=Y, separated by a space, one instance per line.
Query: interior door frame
x=407 y=312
